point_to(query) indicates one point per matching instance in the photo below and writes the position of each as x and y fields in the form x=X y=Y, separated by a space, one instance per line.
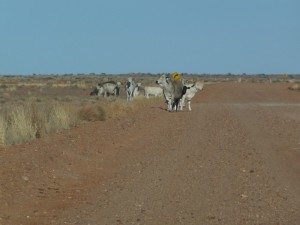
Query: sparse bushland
x=33 y=106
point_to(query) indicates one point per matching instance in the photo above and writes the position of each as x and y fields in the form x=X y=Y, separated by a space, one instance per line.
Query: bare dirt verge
x=235 y=159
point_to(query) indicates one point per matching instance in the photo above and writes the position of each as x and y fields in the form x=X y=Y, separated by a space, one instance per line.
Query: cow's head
x=162 y=80
x=98 y=90
x=94 y=92
x=129 y=83
x=199 y=85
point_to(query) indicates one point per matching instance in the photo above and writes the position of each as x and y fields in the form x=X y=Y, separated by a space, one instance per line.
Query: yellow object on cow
x=176 y=76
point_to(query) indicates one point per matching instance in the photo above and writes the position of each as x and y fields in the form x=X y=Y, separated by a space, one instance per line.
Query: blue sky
x=118 y=36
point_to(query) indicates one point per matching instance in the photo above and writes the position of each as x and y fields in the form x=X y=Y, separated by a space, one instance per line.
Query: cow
x=153 y=91
x=136 y=91
x=191 y=90
x=107 y=88
x=130 y=88
x=173 y=90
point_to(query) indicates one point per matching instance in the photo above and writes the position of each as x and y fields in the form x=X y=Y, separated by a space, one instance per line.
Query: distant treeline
x=261 y=75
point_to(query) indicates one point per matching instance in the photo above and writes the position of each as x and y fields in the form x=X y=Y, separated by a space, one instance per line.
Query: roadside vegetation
x=35 y=118
x=295 y=87
x=34 y=106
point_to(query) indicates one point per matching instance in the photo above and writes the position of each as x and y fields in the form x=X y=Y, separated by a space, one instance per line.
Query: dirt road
x=233 y=160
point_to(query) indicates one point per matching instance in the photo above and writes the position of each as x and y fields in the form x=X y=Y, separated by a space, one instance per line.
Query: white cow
x=153 y=91
x=191 y=90
x=173 y=91
x=136 y=91
x=130 y=88
x=107 y=88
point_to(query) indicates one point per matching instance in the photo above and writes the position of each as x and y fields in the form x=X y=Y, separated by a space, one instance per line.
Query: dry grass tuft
x=92 y=113
x=295 y=87
x=20 y=123
x=117 y=107
x=3 y=128
x=20 y=127
x=58 y=119
x=48 y=117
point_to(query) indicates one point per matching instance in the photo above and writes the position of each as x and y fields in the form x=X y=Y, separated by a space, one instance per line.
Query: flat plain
x=234 y=159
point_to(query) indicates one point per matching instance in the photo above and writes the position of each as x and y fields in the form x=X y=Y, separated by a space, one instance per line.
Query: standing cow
x=153 y=91
x=191 y=90
x=130 y=88
x=173 y=91
x=107 y=88
x=136 y=91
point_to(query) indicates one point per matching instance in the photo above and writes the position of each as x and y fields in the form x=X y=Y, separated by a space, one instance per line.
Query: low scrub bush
x=92 y=112
x=295 y=87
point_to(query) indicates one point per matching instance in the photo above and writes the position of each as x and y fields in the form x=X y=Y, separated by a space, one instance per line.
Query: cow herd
x=175 y=90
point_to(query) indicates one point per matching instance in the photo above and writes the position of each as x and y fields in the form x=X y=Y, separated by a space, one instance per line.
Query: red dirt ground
x=233 y=160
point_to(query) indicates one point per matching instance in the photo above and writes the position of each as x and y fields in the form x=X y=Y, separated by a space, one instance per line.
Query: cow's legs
x=176 y=104
x=170 y=106
x=181 y=102
x=189 y=104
